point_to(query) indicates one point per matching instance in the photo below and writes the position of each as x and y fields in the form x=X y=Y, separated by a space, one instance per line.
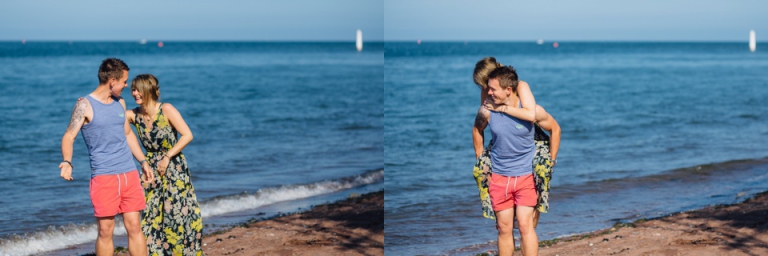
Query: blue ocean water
x=647 y=129
x=273 y=123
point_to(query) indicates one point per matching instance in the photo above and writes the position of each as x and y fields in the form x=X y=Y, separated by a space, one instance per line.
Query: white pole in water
x=359 y=42
x=752 y=43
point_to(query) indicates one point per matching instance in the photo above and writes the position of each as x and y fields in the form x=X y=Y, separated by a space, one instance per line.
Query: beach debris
x=231 y=237
x=354 y=195
x=219 y=240
x=617 y=237
x=605 y=240
x=590 y=244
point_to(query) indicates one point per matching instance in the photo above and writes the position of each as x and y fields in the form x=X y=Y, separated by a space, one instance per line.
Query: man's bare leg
x=529 y=243
x=104 y=244
x=505 y=222
x=137 y=243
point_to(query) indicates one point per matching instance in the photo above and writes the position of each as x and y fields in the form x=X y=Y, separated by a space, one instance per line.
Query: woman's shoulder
x=169 y=109
x=131 y=113
x=167 y=106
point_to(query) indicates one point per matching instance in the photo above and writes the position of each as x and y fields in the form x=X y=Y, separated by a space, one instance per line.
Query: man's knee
x=526 y=228
x=526 y=220
x=106 y=230
x=132 y=223
x=504 y=227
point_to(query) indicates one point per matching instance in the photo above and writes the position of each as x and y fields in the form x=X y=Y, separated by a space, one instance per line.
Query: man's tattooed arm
x=78 y=116
x=481 y=121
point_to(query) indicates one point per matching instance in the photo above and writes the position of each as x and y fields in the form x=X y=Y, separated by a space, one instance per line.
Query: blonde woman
x=172 y=221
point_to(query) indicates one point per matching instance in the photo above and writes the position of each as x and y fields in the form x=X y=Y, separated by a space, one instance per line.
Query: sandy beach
x=351 y=227
x=738 y=229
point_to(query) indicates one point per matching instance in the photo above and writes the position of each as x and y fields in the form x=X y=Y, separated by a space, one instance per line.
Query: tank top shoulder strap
x=89 y=98
x=92 y=100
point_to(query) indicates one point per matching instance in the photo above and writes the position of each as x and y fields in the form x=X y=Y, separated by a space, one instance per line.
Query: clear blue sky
x=582 y=20
x=392 y=20
x=270 y=20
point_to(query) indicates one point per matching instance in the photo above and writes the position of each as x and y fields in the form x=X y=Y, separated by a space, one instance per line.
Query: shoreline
x=353 y=226
x=728 y=229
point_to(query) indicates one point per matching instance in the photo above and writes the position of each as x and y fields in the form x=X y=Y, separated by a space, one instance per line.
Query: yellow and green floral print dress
x=542 y=169
x=482 y=174
x=172 y=221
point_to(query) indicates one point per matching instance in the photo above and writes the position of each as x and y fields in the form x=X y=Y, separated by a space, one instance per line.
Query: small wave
x=356 y=126
x=688 y=175
x=266 y=196
x=61 y=237
x=55 y=238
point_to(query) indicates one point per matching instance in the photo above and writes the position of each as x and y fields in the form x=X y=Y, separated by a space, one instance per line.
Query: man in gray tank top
x=511 y=188
x=115 y=186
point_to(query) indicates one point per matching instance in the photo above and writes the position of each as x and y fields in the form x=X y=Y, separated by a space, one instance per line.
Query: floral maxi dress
x=172 y=222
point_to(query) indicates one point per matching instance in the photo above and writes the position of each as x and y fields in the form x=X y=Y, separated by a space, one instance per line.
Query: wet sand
x=738 y=229
x=351 y=227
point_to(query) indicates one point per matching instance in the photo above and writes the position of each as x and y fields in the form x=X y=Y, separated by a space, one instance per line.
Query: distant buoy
x=160 y=44
x=555 y=44
x=418 y=41
x=359 y=40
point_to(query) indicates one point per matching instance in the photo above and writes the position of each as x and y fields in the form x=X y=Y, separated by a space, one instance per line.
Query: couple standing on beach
x=520 y=153
x=171 y=223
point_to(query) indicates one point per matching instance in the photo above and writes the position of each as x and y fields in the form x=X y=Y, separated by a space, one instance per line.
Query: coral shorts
x=113 y=194
x=506 y=192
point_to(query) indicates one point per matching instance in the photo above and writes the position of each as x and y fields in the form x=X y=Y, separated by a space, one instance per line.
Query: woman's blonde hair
x=149 y=88
x=483 y=68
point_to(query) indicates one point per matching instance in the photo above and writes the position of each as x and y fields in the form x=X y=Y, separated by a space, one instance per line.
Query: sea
x=278 y=127
x=648 y=129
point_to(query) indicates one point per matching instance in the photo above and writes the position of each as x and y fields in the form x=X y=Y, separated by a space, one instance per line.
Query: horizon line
x=369 y=41
x=184 y=40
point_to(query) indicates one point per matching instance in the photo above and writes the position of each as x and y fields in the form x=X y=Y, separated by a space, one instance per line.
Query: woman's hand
x=163 y=165
x=490 y=105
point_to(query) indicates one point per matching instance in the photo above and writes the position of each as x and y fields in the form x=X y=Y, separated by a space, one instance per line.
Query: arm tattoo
x=480 y=121
x=78 y=116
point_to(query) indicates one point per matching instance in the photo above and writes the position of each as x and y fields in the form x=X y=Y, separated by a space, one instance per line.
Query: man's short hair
x=507 y=77
x=111 y=68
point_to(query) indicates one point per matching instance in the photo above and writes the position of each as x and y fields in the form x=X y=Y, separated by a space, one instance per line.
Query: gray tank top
x=513 y=148
x=105 y=138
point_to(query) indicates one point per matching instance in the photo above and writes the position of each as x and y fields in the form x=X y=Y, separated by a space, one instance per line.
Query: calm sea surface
x=647 y=129
x=273 y=123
